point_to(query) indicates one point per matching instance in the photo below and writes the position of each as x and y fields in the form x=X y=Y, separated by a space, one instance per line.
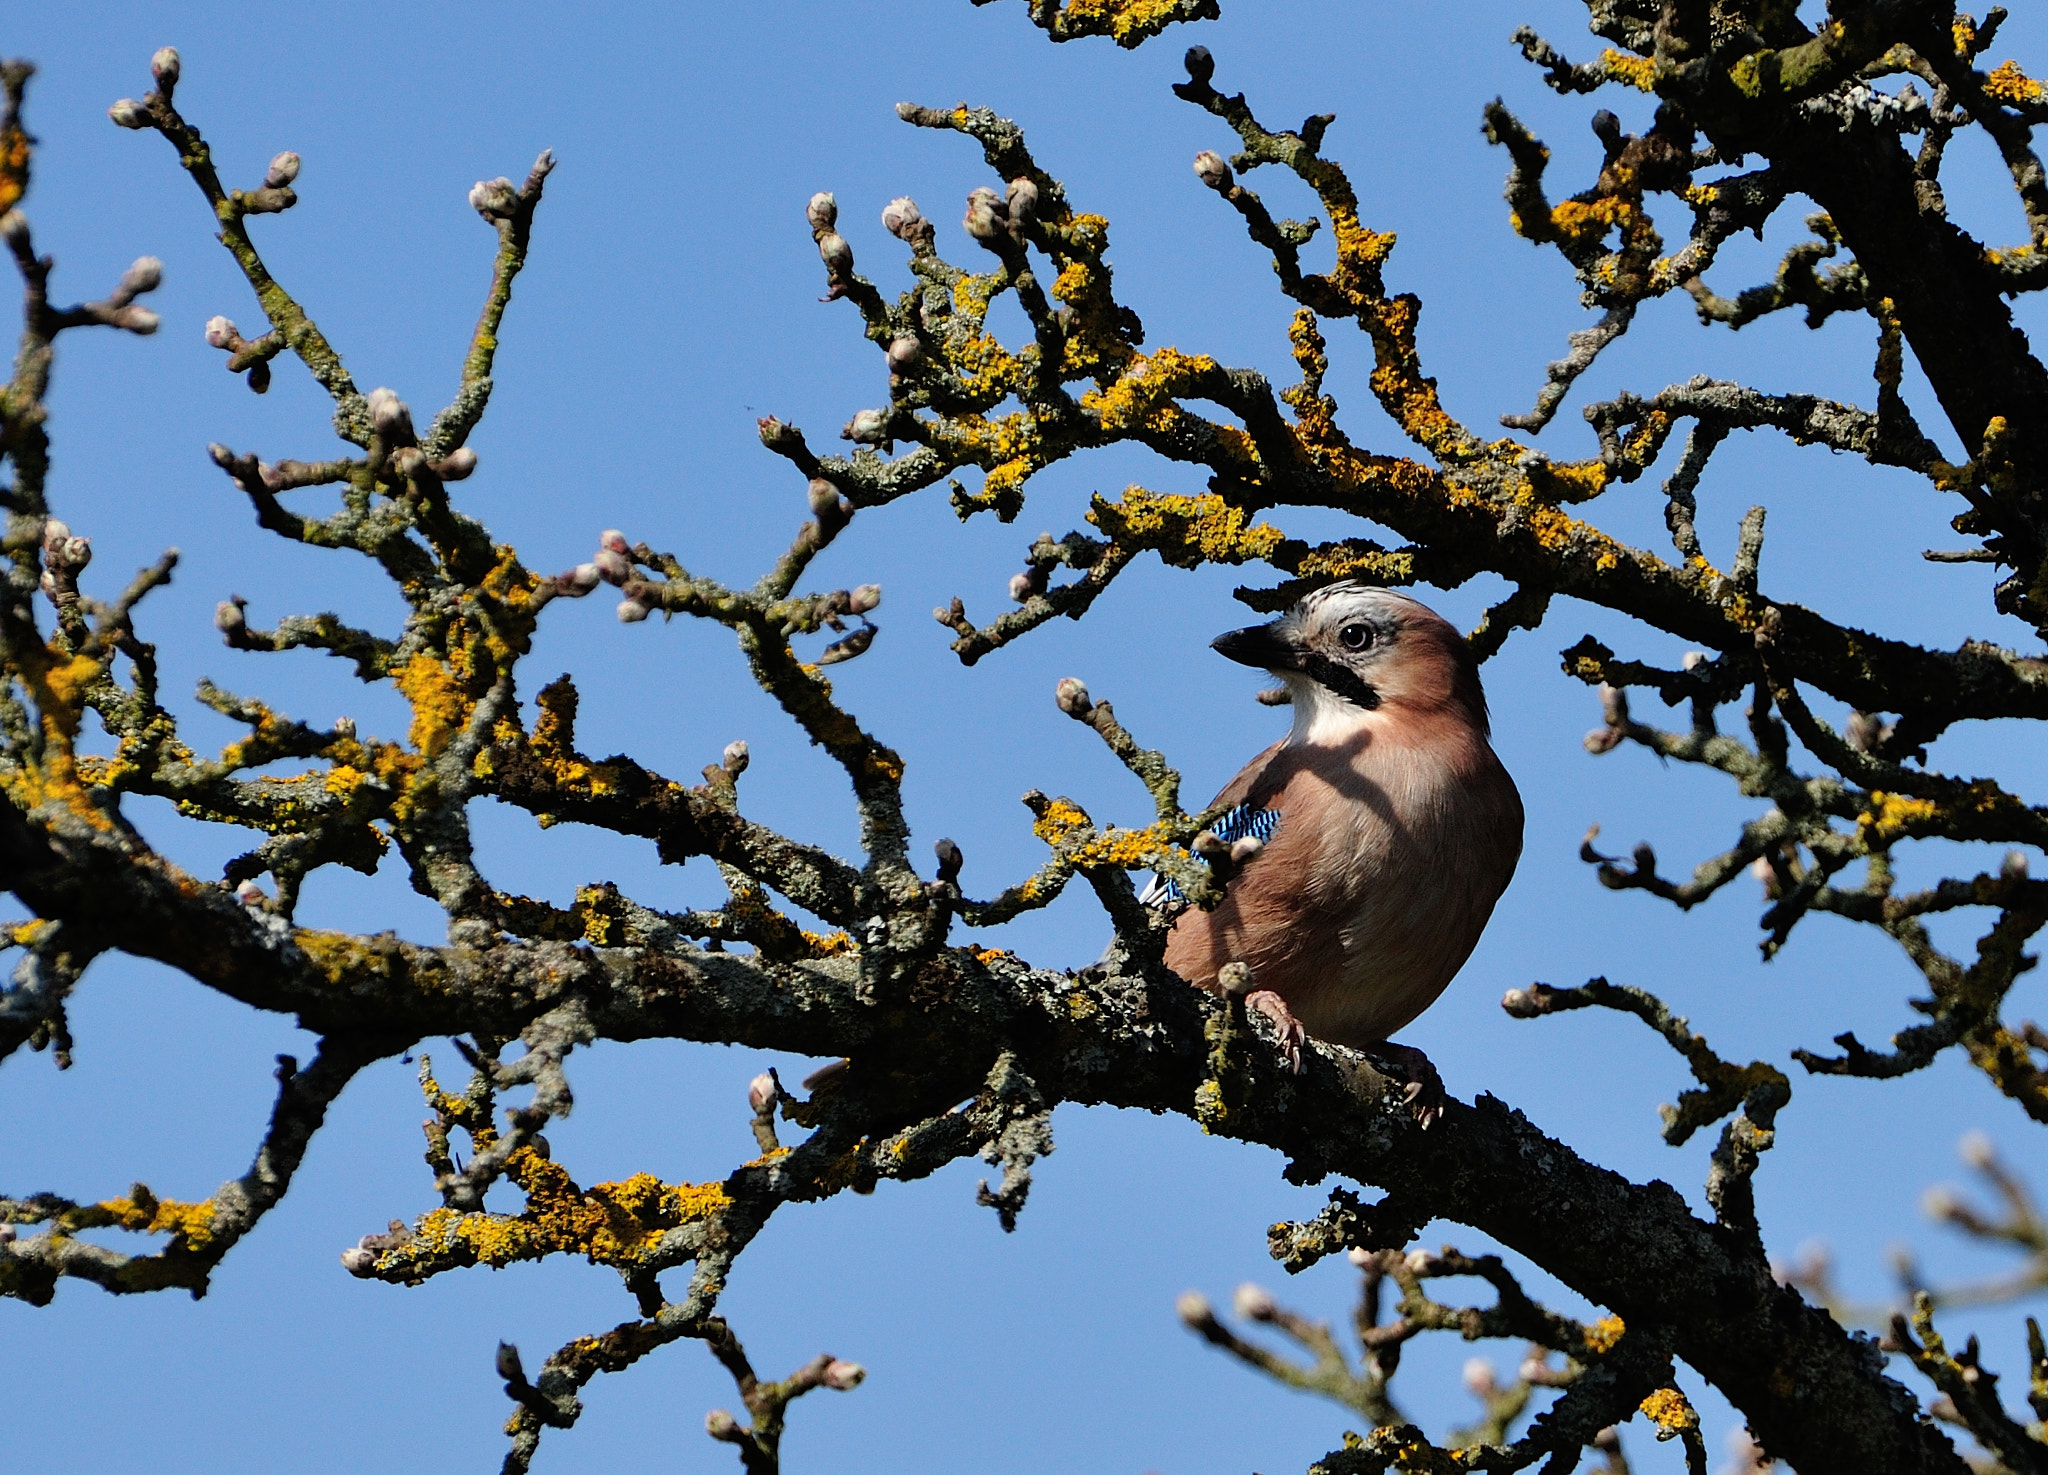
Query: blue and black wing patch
x=1233 y=826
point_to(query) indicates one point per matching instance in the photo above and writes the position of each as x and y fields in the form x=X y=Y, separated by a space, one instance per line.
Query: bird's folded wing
x=1234 y=825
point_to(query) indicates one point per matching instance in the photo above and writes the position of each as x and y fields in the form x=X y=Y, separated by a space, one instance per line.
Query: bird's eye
x=1356 y=637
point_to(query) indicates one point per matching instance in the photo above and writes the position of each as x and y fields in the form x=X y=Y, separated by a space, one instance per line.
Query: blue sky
x=670 y=299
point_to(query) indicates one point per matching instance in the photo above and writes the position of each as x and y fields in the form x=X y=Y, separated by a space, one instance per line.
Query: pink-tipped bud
x=164 y=67
x=777 y=436
x=139 y=321
x=721 y=1425
x=1021 y=588
x=843 y=1376
x=56 y=532
x=2014 y=866
x=1976 y=1150
x=228 y=617
x=1693 y=658
x=249 y=894
x=823 y=497
x=902 y=219
x=1255 y=1303
x=390 y=416
x=984 y=217
x=146 y=275
x=1480 y=1378
x=221 y=332
x=632 y=612
x=905 y=354
x=128 y=113
x=1420 y=1262
x=508 y=1364
x=456 y=465
x=1022 y=202
x=1360 y=1258
x=14 y=230
x=72 y=554
x=869 y=596
x=345 y=727
x=1193 y=1308
x=762 y=1092
x=48 y=584
x=822 y=211
x=406 y=461
x=1072 y=697
x=1613 y=705
x=612 y=566
x=494 y=199
x=1247 y=849
x=736 y=757
x=1604 y=740
x=867 y=428
x=358 y=1261
x=836 y=254
x=614 y=541
x=284 y=168
x=579 y=581
x=1211 y=170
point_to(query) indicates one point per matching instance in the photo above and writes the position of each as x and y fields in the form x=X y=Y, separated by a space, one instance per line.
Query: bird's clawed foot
x=1422 y=1087
x=1292 y=1035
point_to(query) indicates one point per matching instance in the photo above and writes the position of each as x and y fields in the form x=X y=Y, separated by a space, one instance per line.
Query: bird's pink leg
x=1423 y=1088
x=1292 y=1035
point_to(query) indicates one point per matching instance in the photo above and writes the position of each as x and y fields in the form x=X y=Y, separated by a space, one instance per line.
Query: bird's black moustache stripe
x=1340 y=679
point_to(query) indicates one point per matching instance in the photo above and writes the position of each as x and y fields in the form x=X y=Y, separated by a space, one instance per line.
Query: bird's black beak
x=1257 y=645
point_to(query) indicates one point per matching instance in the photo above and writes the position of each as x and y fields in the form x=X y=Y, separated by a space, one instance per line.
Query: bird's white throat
x=1320 y=715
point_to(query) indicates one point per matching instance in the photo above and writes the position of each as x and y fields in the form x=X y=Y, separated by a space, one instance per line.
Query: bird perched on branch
x=1389 y=829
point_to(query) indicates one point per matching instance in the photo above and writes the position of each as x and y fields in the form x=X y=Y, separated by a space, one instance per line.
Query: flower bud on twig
x=1200 y=64
x=867 y=428
x=128 y=113
x=164 y=67
x=1246 y=849
x=146 y=275
x=14 y=230
x=284 y=168
x=905 y=354
x=221 y=332
x=984 y=217
x=1254 y=1302
x=632 y=612
x=1480 y=1378
x=1212 y=171
x=721 y=1425
x=1193 y=1308
x=456 y=465
x=1072 y=697
x=390 y=417
x=1021 y=202
x=777 y=436
x=950 y=860
x=493 y=199
x=508 y=1365
x=902 y=219
x=822 y=212
x=762 y=1092
x=228 y=616
x=836 y=254
x=843 y=1376
x=578 y=581
x=863 y=599
x=358 y=1261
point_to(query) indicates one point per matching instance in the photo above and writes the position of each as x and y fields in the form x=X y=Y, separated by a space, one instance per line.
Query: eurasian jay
x=1390 y=829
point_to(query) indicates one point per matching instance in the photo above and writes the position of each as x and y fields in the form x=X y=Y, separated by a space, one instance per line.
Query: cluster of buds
x=902 y=219
x=833 y=250
x=994 y=219
x=615 y=563
x=222 y=333
x=64 y=557
x=276 y=192
x=164 y=67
